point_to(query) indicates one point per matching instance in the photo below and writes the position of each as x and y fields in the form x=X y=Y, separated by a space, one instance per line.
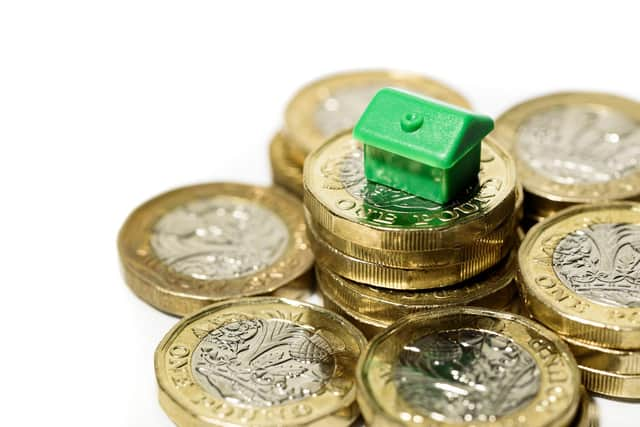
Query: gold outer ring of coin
x=555 y=195
x=553 y=303
x=626 y=386
x=189 y=404
x=490 y=246
x=284 y=171
x=554 y=405
x=334 y=179
x=605 y=359
x=160 y=286
x=303 y=135
x=397 y=278
x=587 y=411
x=494 y=288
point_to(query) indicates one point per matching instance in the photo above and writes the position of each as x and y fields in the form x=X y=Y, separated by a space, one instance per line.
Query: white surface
x=105 y=104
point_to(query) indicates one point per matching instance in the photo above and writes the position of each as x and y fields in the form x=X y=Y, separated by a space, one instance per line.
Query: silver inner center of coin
x=580 y=144
x=262 y=362
x=219 y=238
x=343 y=107
x=602 y=263
x=466 y=375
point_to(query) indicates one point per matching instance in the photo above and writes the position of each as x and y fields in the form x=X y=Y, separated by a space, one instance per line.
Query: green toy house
x=420 y=145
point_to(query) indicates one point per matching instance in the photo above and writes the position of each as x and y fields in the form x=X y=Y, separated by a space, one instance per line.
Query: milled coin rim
x=284 y=171
x=416 y=325
x=626 y=386
x=605 y=359
x=420 y=238
x=490 y=245
x=557 y=306
x=494 y=288
x=302 y=134
x=587 y=412
x=508 y=123
x=324 y=409
x=178 y=294
x=397 y=278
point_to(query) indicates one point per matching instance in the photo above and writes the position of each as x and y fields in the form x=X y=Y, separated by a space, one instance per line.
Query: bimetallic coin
x=494 y=288
x=398 y=278
x=284 y=171
x=259 y=361
x=574 y=148
x=341 y=200
x=464 y=366
x=578 y=273
x=335 y=103
x=196 y=245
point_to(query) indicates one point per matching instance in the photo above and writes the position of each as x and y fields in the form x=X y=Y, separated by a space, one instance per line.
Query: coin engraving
x=263 y=362
x=580 y=144
x=602 y=263
x=219 y=238
x=466 y=375
x=346 y=172
x=342 y=109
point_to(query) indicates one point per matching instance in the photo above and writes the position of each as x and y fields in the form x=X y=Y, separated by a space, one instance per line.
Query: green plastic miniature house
x=420 y=145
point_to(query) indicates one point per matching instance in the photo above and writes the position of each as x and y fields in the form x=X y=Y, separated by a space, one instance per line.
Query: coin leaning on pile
x=384 y=237
x=574 y=147
x=332 y=104
x=260 y=361
x=578 y=275
x=196 y=245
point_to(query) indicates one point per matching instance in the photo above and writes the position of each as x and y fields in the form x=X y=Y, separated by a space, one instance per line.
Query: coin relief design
x=263 y=362
x=580 y=144
x=219 y=238
x=343 y=108
x=602 y=263
x=347 y=172
x=466 y=375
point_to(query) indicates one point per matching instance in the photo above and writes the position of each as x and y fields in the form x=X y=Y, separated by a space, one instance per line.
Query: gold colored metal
x=494 y=288
x=342 y=201
x=178 y=292
x=587 y=411
x=576 y=311
x=397 y=278
x=626 y=386
x=334 y=103
x=208 y=376
x=494 y=245
x=285 y=172
x=545 y=194
x=548 y=394
x=605 y=359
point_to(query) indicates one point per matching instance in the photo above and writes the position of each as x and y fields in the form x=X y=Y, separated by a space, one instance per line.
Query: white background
x=104 y=104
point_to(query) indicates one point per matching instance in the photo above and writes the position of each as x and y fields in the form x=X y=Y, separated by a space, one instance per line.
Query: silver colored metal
x=343 y=109
x=219 y=238
x=580 y=144
x=262 y=362
x=602 y=263
x=466 y=375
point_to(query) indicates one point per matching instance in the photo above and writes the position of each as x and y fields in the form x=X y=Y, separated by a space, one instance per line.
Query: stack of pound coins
x=205 y=243
x=382 y=253
x=579 y=275
x=573 y=148
x=470 y=366
x=332 y=104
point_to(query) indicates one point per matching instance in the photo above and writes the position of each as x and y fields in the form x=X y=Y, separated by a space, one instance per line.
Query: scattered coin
x=579 y=276
x=463 y=366
x=259 y=361
x=192 y=246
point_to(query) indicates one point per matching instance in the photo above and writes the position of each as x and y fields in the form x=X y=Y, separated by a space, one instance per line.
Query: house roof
x=419 y=128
